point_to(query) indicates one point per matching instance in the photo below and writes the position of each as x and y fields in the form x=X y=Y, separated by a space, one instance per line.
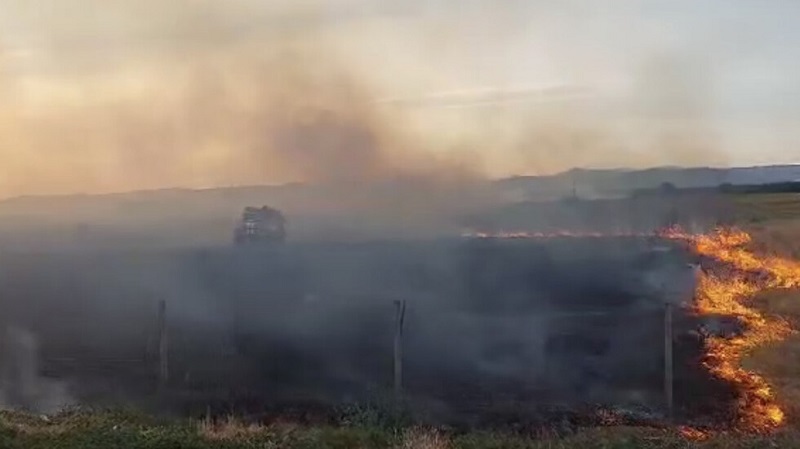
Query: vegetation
x=773 y=219
x=75 y=430
x=778 y=187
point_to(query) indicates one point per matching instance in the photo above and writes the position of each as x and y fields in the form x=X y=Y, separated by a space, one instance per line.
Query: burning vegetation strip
x=731 y=276
x=726 y=287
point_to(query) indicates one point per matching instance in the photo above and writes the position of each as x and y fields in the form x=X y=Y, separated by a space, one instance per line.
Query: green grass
x=107 y=430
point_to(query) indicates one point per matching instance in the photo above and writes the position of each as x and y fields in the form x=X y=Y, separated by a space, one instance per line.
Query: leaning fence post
x=163 y=352
x=398 y=349
x=668 y=373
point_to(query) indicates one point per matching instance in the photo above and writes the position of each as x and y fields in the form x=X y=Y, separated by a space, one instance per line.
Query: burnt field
x=496 y=331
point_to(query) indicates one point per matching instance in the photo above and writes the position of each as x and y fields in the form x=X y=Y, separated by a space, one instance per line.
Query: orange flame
x=728 y=292
x=551 y=234
x=693 y=434
x=724 y=291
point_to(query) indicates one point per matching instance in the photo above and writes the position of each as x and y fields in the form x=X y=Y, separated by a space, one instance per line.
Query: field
x=774 y=222
x=130 y=430
x=772 y=219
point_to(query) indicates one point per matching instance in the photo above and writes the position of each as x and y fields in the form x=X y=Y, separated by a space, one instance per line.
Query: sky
x=113 y=95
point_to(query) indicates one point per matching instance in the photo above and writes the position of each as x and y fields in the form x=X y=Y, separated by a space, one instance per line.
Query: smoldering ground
x=314 y=323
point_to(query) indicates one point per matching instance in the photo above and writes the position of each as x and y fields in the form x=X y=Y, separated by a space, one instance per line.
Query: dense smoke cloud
x=198 y=94
x=315 y=323
x=233 y=119
x=187 y=101
x=21 y=383
x=665 y=119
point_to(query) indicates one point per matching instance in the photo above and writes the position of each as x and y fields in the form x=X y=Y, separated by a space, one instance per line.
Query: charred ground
x=498 y=332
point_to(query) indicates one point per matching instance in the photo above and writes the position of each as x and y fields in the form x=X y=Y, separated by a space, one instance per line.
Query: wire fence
x=463 y=372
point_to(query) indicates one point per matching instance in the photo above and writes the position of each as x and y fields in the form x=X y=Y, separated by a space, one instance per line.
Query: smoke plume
x=200 y=94
x=21 y=384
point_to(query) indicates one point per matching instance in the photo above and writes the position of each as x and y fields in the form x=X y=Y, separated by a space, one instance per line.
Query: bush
x=382 y=414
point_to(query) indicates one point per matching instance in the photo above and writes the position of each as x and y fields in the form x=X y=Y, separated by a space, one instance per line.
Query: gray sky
x=642 y=83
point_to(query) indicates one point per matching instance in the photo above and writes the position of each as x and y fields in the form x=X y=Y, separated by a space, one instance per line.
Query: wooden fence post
x=398 y=349
x=163 y=348
x=668 y=362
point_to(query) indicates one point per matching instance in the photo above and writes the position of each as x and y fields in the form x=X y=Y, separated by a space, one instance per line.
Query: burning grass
x=757 y=408
x=553 y=234
x=729 y=288
x=728 y=285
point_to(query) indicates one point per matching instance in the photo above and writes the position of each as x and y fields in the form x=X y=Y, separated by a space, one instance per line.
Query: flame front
x=551 y=234
x=727 y=291
x=692 y=434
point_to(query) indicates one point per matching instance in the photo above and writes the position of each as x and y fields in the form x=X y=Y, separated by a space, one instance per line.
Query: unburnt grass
x=115 y=429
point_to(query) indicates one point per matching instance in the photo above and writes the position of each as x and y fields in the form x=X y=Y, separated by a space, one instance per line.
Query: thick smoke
x=279 y=119
x=200 y=94
x=195 y=99
x=21 y=384
x=200 y=99
x=663 y=116
x=527 y=324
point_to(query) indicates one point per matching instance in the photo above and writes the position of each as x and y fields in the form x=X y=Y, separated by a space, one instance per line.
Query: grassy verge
x=117 y=430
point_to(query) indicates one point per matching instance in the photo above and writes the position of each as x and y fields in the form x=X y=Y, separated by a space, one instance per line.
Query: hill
x=614 y=183
x=392 y=208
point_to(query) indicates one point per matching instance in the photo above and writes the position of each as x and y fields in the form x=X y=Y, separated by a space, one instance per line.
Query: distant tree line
x=668 y=188
x=777 y=187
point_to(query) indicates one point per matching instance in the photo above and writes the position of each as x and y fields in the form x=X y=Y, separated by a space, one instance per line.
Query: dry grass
x=770 y=207
x=780 y=363
x=778 y=237
x=115 y=430
x=229 y=429
x=774 y=222
x=418 y=438
x=33 y=425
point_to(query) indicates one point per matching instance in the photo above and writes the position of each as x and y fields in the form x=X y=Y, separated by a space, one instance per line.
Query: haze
x=111 y=95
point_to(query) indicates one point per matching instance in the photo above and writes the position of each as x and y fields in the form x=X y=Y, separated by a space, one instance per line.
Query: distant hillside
x=615 y=183
x=392 y=208
x=403 y=208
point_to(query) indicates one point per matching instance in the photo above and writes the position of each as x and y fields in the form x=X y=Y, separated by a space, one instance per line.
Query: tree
x=667 y=188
